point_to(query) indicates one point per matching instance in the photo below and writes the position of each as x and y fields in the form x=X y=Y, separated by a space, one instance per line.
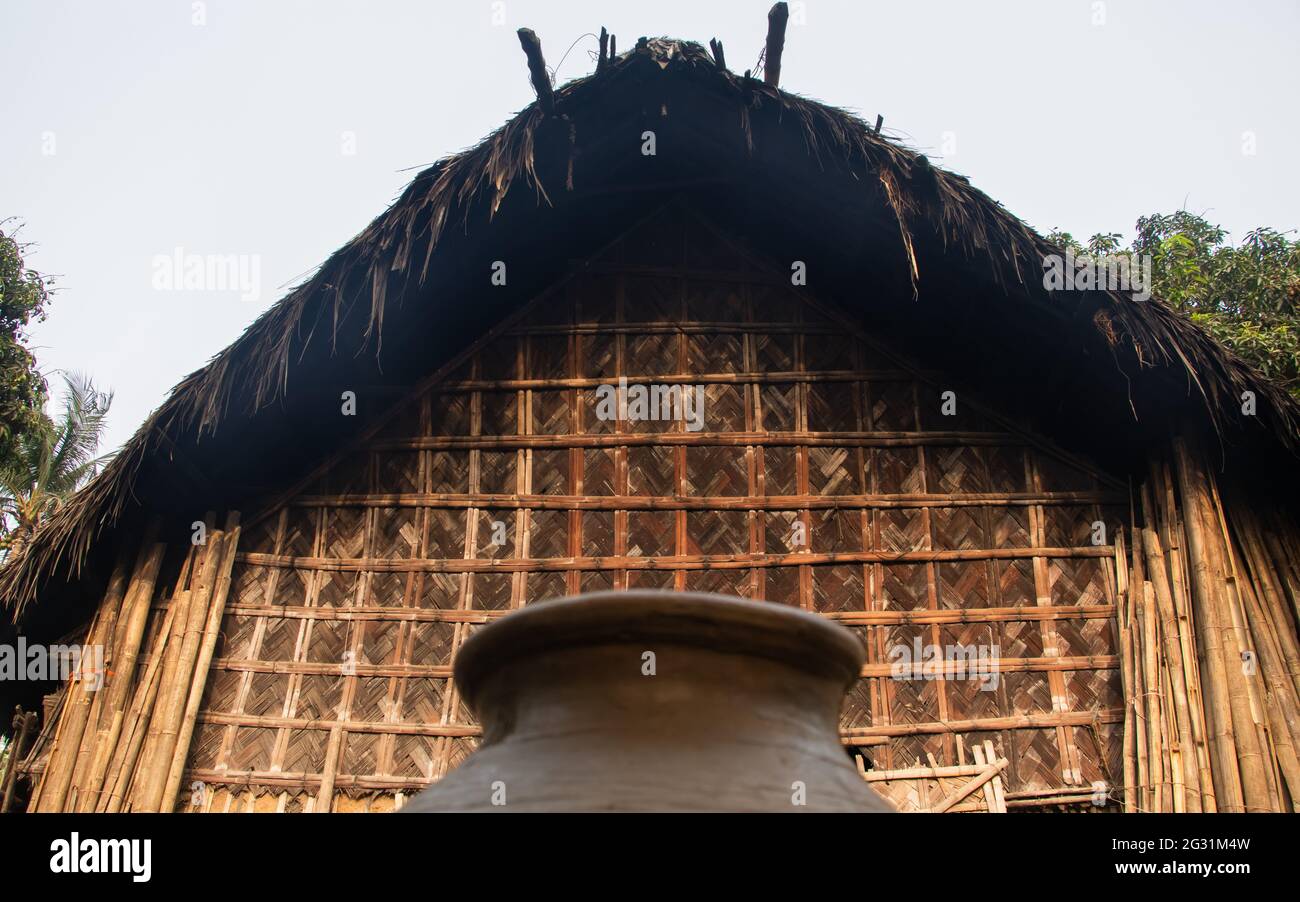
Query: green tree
x=51 y=462
x=1246 y=295
x=24 y=295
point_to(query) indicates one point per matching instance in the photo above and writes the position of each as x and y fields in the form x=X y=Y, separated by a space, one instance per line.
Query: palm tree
x=50 y=464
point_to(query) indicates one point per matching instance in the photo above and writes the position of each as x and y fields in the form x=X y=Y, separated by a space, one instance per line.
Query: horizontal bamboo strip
x=998 y=666
x=992 y=724
x=691 y=328
x=1028 y=612
x=243 y=665
x=1043 y=794
x=349 y=726
x=924 y=773
x=704 y=502
x=981 y=782
x=682 y=562
x=757 y=378
x=863 y=742
x=1042 y=664
x=304 y=781
x=312 y=782
x=386 y=615
x=849 y=736
x=703 y=439
x=1073 y=797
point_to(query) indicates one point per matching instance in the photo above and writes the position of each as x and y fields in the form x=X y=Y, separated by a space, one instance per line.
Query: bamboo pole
x=1206 y=597
x=117 y=779
x=49 y=734
x=1150 y=649
x=1280 y=723
x=1277 y=713
x=24 y=724
x=1173 y=536
x=1274 y=666
x=1180 y=708
x=126 y=652
x=1271 y=584
x=1131 y=788
x=57 y=780
x=325 y=797
x=179 y=609
x=1176 y=770
x=1285 y=557
x=1280 y=540
x=165 y=726
x=1140 y=731
x=222 y=561
x=115 y=603
x=1258 y=782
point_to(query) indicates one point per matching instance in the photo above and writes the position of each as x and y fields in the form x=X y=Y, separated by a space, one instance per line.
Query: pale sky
x=130 y=131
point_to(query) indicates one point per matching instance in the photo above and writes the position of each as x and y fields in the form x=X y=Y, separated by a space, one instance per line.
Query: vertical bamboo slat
x=1207 y=601
x=1156 y=568
x=126 y=652
x=117 y=780
x=24 y=725
x=223 y=561
x=79 y=699
x=114 y=608
x=1146 y=628
x=1131 y=791
x=167 y=716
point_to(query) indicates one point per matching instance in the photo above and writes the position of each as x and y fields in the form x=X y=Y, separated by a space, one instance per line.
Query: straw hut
x=1080 y=500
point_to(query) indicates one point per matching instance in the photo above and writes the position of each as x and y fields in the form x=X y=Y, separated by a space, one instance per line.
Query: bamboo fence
x=1206 y=610
x=123 y=747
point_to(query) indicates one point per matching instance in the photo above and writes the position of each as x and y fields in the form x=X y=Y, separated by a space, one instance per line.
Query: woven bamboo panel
x=823 y=473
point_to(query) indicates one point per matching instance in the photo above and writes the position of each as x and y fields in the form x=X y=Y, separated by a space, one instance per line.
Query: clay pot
x=656 y=701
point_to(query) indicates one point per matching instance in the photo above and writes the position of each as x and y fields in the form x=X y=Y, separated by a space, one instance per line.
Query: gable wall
x=499 y=484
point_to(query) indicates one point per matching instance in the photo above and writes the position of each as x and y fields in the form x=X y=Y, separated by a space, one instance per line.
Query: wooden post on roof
x=537 y=69
x=777 y=17
x=719 y=58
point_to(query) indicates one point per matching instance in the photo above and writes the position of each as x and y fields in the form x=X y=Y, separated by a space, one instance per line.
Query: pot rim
x=722 y=623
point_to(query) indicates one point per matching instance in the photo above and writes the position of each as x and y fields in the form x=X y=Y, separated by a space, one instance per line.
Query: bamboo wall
x=1209 y=595
x=330 y=686
x=327 y=685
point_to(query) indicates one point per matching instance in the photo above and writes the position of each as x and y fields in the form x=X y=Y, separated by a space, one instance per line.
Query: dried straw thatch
x=917 y=215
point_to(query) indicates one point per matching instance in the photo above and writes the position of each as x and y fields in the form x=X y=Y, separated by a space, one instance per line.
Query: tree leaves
x=23 y=297
x=1246 y=295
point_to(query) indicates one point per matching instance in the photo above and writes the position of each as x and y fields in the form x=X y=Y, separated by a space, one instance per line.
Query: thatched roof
x=408 y=289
